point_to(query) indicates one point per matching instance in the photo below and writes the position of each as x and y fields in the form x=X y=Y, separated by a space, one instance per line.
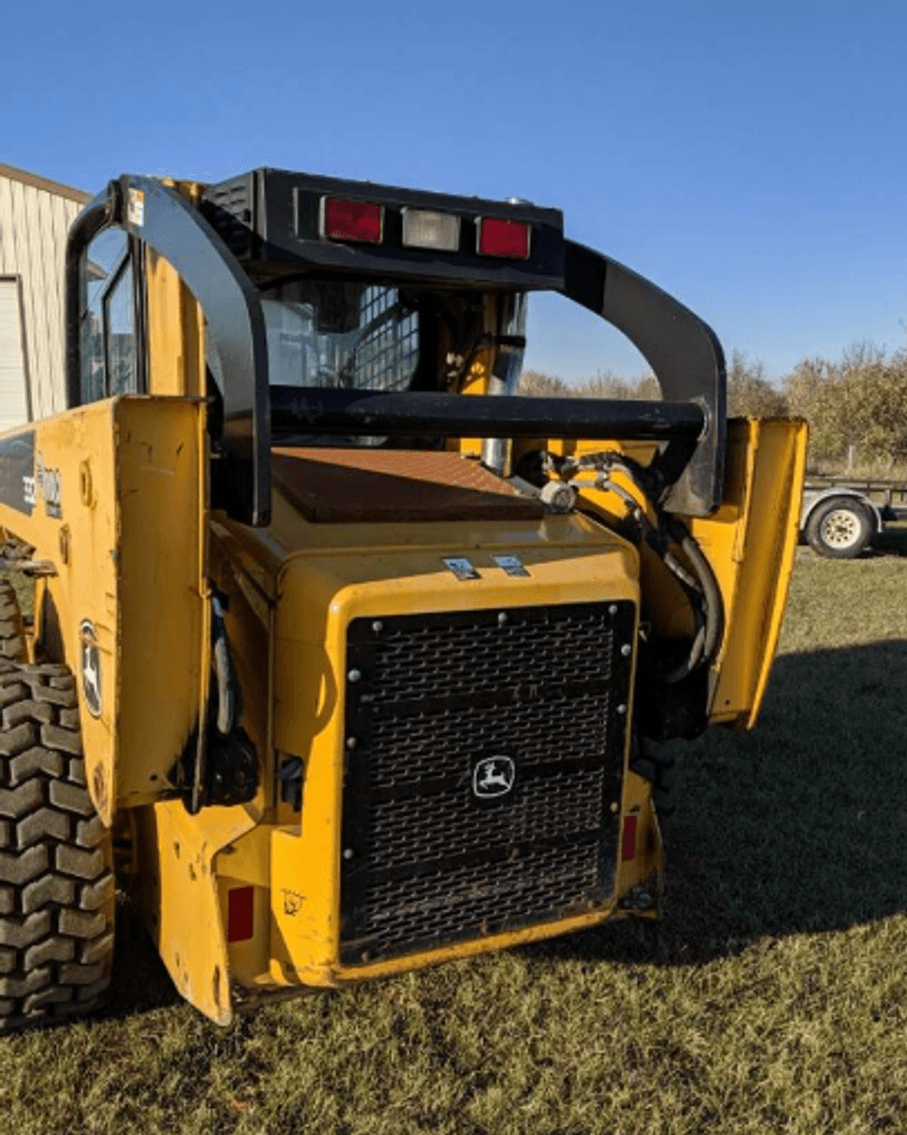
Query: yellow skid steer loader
x=344 y=658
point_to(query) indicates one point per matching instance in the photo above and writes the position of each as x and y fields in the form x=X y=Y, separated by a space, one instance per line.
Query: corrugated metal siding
x=33 y=226
x=13 y=396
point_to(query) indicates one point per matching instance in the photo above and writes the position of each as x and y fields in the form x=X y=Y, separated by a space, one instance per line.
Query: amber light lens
x=500 y=237
x=352 y=220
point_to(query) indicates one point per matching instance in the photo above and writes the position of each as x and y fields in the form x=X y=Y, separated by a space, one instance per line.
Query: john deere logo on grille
x=493 y=776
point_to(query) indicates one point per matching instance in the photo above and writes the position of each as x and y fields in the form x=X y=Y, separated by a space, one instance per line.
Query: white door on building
x=13 y=394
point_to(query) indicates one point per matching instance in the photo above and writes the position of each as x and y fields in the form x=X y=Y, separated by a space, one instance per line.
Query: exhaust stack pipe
x=510 y=342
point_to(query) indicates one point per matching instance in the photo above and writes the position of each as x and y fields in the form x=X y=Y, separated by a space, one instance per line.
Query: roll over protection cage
x=265 y=217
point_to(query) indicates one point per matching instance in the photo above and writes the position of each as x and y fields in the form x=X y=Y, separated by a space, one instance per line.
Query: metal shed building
x=35 y=214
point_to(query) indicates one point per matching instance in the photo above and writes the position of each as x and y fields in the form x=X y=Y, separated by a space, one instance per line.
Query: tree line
x=856 y=407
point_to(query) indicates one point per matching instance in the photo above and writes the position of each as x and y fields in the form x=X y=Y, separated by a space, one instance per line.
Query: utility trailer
x=345 y=660
x=840 y=516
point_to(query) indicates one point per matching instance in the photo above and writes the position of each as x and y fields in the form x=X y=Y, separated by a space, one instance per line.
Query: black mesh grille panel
x=484 y=752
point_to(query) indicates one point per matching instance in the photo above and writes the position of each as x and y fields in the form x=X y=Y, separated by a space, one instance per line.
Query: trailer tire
x=56 y=877
x=840 y=528
x=12 y=631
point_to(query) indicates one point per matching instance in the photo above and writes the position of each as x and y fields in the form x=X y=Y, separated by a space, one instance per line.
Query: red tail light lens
x=352 y=220
x=500 y=237
x=629 y=845
x=240 y=914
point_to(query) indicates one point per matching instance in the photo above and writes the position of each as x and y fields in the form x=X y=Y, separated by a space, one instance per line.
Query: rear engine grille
x=484 y=752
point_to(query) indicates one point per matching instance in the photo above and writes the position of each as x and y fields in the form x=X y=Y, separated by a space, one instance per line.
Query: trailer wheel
x=12 y=632
x=840 y=527
x=56 y=877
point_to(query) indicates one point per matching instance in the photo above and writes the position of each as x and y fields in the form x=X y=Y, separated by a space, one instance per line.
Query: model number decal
x=46 y=483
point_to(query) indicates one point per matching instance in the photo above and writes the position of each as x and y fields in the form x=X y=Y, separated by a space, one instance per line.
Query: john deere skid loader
x=344 y=659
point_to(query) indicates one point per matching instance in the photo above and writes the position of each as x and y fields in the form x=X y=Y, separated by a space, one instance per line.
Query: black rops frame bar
x=363 y=413
x=250 y=223
x=164 y=220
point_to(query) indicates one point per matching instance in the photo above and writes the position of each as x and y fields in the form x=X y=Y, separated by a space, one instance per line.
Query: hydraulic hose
x=698 y=583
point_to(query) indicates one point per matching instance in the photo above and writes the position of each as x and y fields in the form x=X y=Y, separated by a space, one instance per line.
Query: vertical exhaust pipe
x=510 y=345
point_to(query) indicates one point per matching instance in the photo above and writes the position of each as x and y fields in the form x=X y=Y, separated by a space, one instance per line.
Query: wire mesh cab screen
x=341 y=335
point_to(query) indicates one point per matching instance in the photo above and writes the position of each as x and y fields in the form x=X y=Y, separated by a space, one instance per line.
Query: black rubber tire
x=56 y=876
x=12 y=632
x=840 y=528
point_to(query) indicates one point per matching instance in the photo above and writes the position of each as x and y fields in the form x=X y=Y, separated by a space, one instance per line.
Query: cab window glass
x=107 y=318
x=120 y=327
x=344 y=335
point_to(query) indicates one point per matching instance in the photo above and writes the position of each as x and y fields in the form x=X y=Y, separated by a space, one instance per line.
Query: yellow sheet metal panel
x=162 y=609
x=766 y=468
x=179 y=895
x=175 y=331
x=344 y=975
x=640 y=854
x=241 y=864
x=117 y=509
x=71 y=521
x=291 y=860
x=304 y=906
x=320 y=595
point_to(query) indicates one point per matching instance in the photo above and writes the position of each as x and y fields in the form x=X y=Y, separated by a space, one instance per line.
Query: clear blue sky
x=750 y=158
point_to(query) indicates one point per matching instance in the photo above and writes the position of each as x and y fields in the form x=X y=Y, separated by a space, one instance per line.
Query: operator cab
x=362 y=335
x=368 y=315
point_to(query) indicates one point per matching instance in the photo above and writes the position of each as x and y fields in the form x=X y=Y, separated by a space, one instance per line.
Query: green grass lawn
x=774 y=1001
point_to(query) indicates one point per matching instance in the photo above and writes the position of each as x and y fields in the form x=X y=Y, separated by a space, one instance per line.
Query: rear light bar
x=342 y=219
x=363 y=221
x=500 y=237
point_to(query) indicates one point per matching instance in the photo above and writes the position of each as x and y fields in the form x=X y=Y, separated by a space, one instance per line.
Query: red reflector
x=352 y=220
x=240 y=913
x=629 y=845
x=500 y=237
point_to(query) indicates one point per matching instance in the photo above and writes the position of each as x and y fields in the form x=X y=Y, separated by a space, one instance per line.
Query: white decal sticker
x=512 y=565
x=462 y=568
x=135 y=208
x=91 y=667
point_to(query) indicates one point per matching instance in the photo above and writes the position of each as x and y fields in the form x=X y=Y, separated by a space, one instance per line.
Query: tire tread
x=56 y=878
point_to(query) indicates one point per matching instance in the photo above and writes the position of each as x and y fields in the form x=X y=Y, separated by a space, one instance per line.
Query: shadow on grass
x=798 y=827
x=891 y=542
x=140 y=982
